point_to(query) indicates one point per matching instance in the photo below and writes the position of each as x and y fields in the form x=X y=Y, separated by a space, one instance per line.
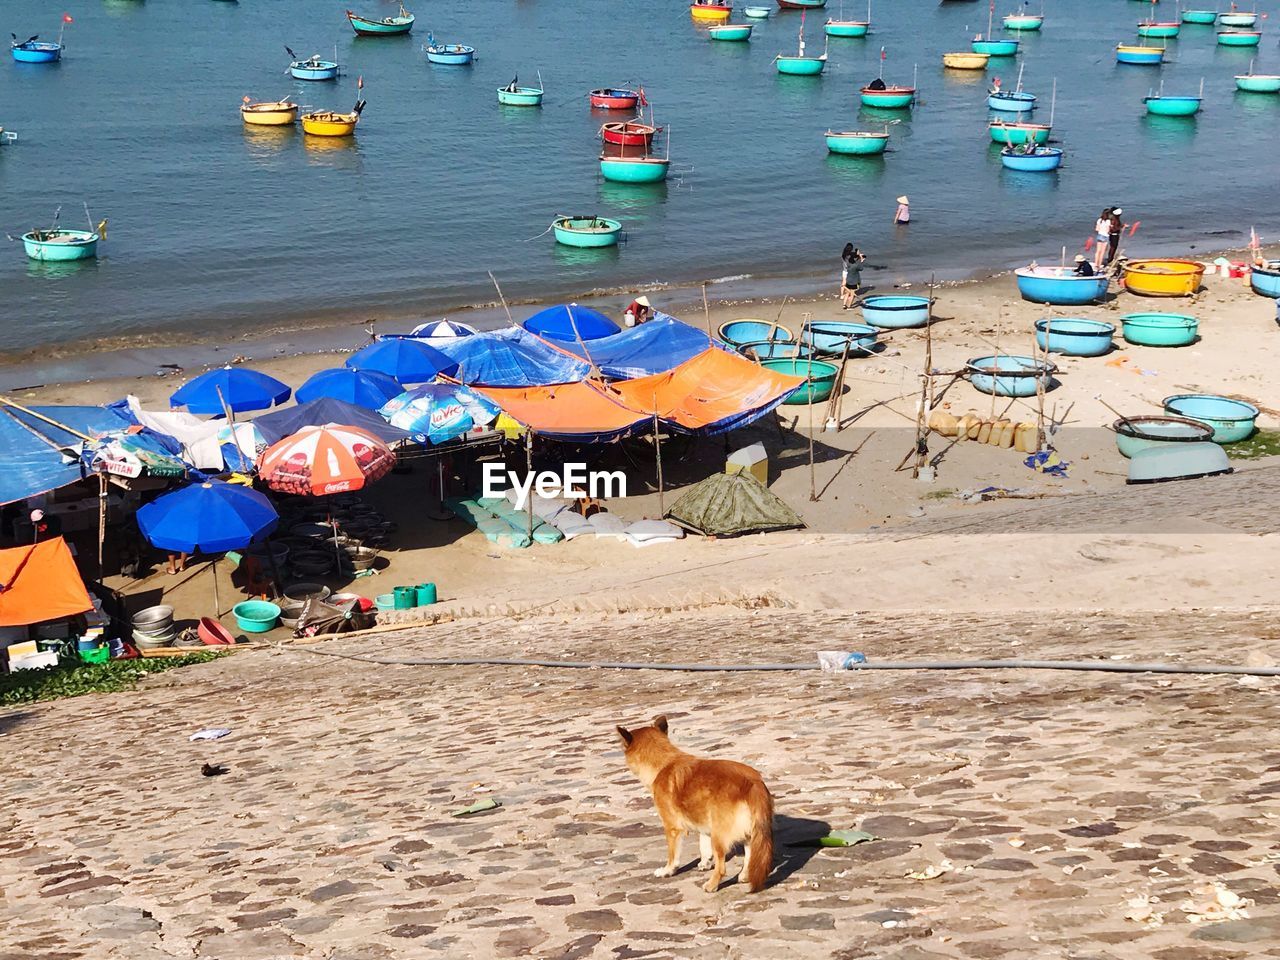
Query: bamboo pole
x=657 y=446
x=528 y=465
x=926 y=379
x=102 y=516
x=706 y=307
x=501 y=297
x=49 y=420
x=813 y=478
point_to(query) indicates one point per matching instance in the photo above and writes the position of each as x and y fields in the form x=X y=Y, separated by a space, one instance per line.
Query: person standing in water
x=1115 y=230
x=903 y=213
x=850 y=274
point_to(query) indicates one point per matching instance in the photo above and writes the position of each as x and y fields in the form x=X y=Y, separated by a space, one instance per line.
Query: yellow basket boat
x=275 y=113
x=329 y=124
x=1163 y=278
x=710 y=12
x=965 y=60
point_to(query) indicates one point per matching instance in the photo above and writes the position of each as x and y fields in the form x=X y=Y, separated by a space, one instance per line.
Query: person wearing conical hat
x=903 y=213
x=638 y=311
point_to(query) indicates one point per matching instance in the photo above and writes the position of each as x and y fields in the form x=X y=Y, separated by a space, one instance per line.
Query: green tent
x=726 y=504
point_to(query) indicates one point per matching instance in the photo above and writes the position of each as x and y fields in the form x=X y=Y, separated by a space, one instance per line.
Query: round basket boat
x=896 y=313
x=1266 y=280
x=774 y=350
x=1181 y=461
x=820 y=379
x=1258 y=83
x=1231 y=420
x=1010 y=376
x=1159 y=329
x=1135 y=434
x=964 y=60
x=1163 y=278
x=587 y=231
x=830 y=337
x=1074 y=336
x=738 y=333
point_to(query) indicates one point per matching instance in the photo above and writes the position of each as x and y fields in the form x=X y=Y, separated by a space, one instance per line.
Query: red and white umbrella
x=317 y=461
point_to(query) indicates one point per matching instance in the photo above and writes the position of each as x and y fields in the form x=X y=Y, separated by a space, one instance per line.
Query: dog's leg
x=718 y=849
x=704 y=851
x=674 y=836
x=746 y=859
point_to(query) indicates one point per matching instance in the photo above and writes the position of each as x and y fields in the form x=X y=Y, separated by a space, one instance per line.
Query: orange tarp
x=39 y=583
x=565 y=410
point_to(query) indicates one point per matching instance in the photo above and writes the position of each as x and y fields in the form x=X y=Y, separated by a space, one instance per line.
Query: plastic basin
x=1231 y=420
x=1010 y=376
x=214 y=634
x=256 y=616
x=1074 y=337
x=820 y=378
x=1159 y=329
x=1135 y=434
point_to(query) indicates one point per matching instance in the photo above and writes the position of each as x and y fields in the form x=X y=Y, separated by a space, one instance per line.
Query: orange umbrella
x=327 y=459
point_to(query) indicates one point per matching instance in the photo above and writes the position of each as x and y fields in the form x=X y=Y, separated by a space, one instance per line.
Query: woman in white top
x=1101 y=237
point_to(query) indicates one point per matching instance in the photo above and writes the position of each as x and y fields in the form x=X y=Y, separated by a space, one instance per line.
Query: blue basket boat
x=830 y=337
x=896 y=313
x=1266 y=280
x=1184 y=461
x=1013 y=102
x=1237 y=18
x=757 y=13
x=1037 y=159
x=1074 y=336
x=36 y=51
x=314 y=68
x=1135 y=434
x=1011 y=376
x=449 y=54
x=1059 y=286
x=774 y=350
x=1231 y=420
x=1139 y=55
x=738 y=333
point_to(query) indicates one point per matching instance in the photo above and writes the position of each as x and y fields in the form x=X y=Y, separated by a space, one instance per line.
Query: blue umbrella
x=439 y=411
x=405 y=360
x=208 y=517
x=571 y=322
x=241 y=390
x=364 y=388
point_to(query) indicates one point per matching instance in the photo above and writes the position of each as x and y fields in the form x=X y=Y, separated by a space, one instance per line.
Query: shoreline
x=173 y=352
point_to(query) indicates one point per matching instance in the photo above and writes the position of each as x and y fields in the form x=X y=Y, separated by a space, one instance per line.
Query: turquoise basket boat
x=1159 y=329
x=450 y=54
x=856 y=142
x=1231 y=420
x=635 y=170
x=800 y=66
x=1021 y=22
x=386 y=27
x=896 y=313
x=520 y=96
x=995 y=48
x=1239 y=38
x=54 y=246
x=1172 y=106
x=1159 y=30
x=1074 y=336
x=831 y=337
x=1258 y=83
x=1265 y=281
x=846 y=28
x=734 y=32
x=1136 y=434
x=1016 y=134
x=738 y=333
x=820 y=378
x=588 y=232
x=1199 y=17
x=1010 y=376
x=774 y=350
x=1238 y=18
x=890 y=98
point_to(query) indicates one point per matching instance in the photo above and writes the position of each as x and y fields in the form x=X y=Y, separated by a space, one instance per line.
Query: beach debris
x=210 y=733
x=478 y=807
x=1017 y=842
x=1142 y=910
x=1048 y=462
x=994 y=432
x=932 y=871
x=1214 y=903
x=212 y=769
x=846 y=838
x=831 y=661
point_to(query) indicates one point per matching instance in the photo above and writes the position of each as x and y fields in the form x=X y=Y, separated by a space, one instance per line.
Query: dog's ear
x=661 y=723
x=625 y=736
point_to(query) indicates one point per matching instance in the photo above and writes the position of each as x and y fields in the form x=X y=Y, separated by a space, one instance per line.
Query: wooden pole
x=706 y=307
x=501 y=297
x=102 y=516
x=813 y=478
x=48 y=420
x=217 y=604
x=926 y=382
x=1041 y=434
x=657 y=446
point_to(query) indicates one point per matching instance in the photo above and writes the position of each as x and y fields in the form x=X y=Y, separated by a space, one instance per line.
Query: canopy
x=405 y=360
x=207 y=517
x=512 y=358
x=364 y=388
x=583 y=412
x=332 y=458
x=570 y=322
x=274 y=427
x=39 y=457
x=40 y=582
x=653 y=347
x=235 y=388
x=726 y=504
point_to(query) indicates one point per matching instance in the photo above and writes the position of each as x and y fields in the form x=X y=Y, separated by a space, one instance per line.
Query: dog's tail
x=760 y=802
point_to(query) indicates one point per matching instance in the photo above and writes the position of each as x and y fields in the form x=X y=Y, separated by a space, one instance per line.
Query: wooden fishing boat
x=856 y=142
x=888 y=97
x=1025 y=22
x=1163 y=278
x=327 y=123
x=58 y=245
x=268 y=113
x=629 y=133
x=1017 y=134
x=1239 y=38
x=1237 y=18
x=634 y=169
x=587 y=232
x=514 y=95
x=801 y=4
x=710 y=12
x=386 y=27
x=966 y=60
x=729 y=31
x=1139 y=55
x=1031 y=158
x=757 y=13
x=616 y=98
x=1199 y=17
x=449 y=54
x=1159 y=29
x=36 y=51
x=314 y=68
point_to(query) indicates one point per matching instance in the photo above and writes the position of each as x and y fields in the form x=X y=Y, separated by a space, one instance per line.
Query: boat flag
x=246 y=100
x=66 y=18
x=360 y=82
x=1253 y=238
x=1134 y=228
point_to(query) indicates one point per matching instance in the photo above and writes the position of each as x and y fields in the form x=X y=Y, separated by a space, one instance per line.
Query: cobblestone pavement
x=1022 y=813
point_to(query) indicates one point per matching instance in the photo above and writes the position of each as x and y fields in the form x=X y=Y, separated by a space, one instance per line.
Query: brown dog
x=724 y=801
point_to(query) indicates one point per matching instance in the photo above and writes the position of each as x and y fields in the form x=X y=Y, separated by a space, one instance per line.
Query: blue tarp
x=285 y=423
x=569 y=322
x=512 y=358
x=30 y=464
x=660 y=345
